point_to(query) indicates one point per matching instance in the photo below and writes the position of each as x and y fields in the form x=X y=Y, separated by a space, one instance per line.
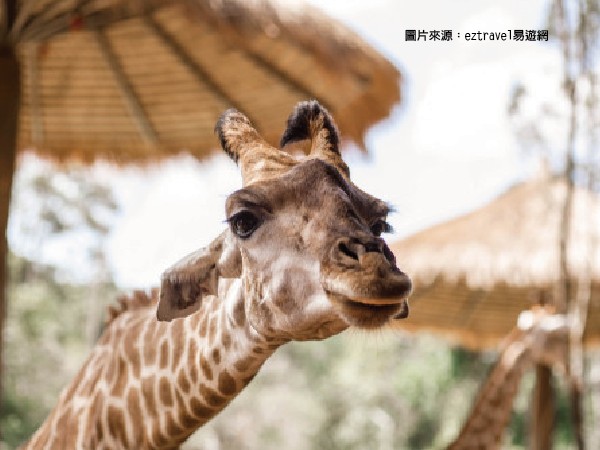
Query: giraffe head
x=304 y=241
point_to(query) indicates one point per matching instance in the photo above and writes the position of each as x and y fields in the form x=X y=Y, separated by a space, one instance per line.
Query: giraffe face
x=313 y=260
x=304 y=240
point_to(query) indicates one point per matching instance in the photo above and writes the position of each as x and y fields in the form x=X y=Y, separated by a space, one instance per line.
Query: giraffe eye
x=381 y=226
x=243 y=224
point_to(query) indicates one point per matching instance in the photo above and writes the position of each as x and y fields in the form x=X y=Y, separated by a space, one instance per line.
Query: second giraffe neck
x=491 y=412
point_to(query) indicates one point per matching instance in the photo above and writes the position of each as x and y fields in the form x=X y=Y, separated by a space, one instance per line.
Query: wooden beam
x=202 y=75
x=577 y=414
x=7 y=19
x=44 y=27
x=10 y=91
x=131 y=99
x=542 y=409
x=35 y=106
x=31 y=22
x=24 y=15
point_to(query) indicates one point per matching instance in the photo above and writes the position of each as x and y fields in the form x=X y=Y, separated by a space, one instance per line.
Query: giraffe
x=302 y=259
x=540 y=337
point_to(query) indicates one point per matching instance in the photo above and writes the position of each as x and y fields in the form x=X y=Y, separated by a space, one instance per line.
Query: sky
x=448 y=148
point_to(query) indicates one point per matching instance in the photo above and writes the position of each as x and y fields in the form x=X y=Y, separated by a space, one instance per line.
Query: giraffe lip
x=391 y=290
x=399 y=308
x=369 y=313
x=378 y=301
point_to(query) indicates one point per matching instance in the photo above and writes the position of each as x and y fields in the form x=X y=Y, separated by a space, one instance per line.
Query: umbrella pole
x=9 y=114
x=542 y=409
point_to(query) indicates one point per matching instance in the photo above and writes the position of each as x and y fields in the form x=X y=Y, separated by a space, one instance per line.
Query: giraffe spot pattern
x=116 y=424
x=173 y=428
x=200 y=410
x=212 y=330
x=206 y=369
x=239 y=314
x=165 y=391
x=226 y=340
x=212 y=397
x=121 y=376
x=216 y=356
x=244 y=364
x=164 y=355
x=204 y=325
x=131 y=350
x=227 y=383
x=158 y=438
x=135 y=414
x=183 y=381
x=148 y=395
x=194 y=374
x=177 y=337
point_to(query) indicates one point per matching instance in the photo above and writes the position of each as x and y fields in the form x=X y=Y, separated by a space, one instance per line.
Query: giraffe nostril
x=372 y=247
x=342 y=247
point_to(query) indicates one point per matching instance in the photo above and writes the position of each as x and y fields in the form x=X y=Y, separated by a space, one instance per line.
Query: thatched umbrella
x=138 y=80
x=474 y=274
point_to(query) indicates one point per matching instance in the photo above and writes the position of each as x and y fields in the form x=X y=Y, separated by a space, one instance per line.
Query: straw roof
x=137 y=80
x=474 y=274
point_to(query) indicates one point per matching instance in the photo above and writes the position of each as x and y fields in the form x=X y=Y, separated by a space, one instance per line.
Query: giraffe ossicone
x=302 y=259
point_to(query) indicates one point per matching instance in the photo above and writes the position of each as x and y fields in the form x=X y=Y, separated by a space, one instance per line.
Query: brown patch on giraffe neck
x=135 y=414
x=193 y=374
x=96 y=407
x=245 y=363
x=164 y=354
x=148 y=385
x=204 y=325
x=158 y=438
x=212 y=397
x=206 y=369
x=116 y=424
x=216 y=356
x=132 y=351
x=120 y=375
x=68 y=428
x=226 y=340
x=200 y=410
x=177 y=342
x=149 y=337
x=165 y=391
x=196 y=318
x=187 y=419
x=239 y=313
x=173 y=428
x=227 y=383
x=99 y=431
x=212 y=330
x=184 y=423
x=183 y=382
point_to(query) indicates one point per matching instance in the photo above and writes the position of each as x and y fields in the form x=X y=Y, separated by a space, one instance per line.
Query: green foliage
x=352 y=392
x=45 y=343
x=50 y=324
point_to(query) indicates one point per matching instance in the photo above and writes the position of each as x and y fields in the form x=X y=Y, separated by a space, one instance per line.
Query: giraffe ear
x=187 y=282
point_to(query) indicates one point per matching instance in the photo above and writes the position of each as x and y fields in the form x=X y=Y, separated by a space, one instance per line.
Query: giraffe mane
x=128 y=302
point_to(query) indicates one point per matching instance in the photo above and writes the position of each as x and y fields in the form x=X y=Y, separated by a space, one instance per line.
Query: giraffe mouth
x=369 y=313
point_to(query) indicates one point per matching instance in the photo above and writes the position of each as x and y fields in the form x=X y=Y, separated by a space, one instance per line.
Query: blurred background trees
x=54 y=316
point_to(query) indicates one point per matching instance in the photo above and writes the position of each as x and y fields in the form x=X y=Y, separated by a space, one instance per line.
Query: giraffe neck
x=211 y=356
x=491 y=412
x=150 y=384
